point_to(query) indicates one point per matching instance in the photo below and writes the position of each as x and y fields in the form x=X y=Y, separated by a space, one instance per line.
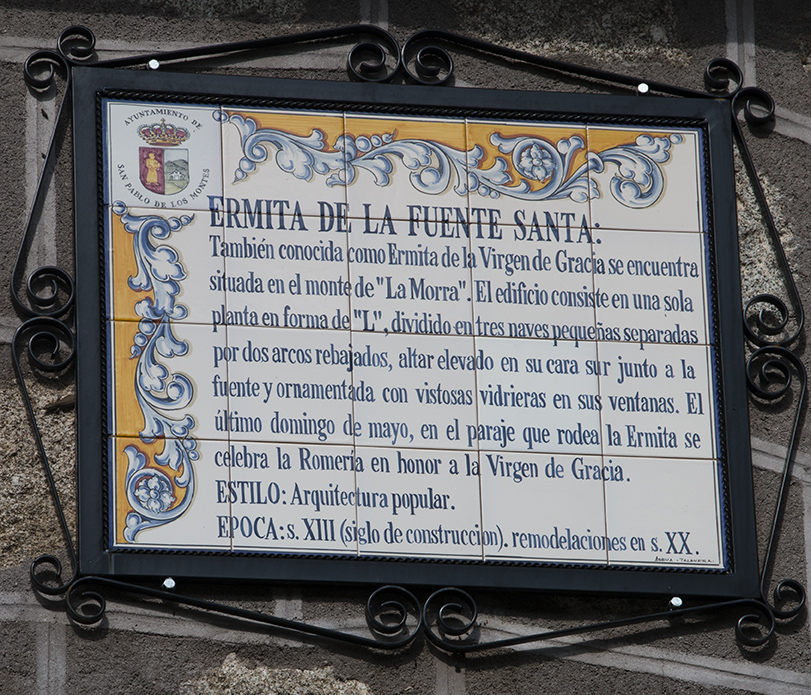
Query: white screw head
x=676 y=602
x=153 y=64
x=642 y=88
x=169 y=584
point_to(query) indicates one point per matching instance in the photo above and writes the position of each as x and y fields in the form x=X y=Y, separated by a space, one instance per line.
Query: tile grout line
x=365 y=11
x=375 y=12
x=383 y=14
x=703 y=670
x=792 y=124
x=771 y=457
x=731 y=14
x=288 y=605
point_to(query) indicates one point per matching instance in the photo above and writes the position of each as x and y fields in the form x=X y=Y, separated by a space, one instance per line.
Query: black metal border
x=96 y=558
x=448 y=617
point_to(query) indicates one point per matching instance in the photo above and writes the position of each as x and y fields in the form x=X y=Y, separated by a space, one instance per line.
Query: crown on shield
x=163 y=134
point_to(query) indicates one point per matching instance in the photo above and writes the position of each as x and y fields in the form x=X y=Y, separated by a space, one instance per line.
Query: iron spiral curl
x=754 y=97
x=46 y=575
x=769 y=373
x=770 y=316
x=77 y=43
x=368 y=60
x=450 y=617
x=45 y=287
x=720 y=72
x=763 y=621
x=757 y=626
x=387 y=613
x=44 y=335
x=432 y=64
x=82 y=605
x=41 y=67
x=788 y=591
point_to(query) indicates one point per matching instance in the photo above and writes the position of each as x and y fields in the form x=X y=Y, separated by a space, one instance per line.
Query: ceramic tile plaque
x=418 y=345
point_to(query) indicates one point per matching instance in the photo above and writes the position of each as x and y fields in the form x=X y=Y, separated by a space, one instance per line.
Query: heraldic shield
x=163 y=167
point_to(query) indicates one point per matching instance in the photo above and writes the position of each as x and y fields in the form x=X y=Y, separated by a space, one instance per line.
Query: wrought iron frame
x=394 y=615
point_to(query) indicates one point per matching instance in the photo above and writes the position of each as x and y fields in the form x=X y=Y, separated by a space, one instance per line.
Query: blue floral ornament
x=535 y=163
x=154 y=493
x=151 y=494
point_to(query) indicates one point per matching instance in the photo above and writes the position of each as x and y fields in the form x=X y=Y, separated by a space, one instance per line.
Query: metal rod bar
x=252 y=45
x=50 y=327
x=35 y=211
x=549 y=63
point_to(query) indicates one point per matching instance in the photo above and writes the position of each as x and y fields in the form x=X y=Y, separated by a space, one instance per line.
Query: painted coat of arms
x=163 y=166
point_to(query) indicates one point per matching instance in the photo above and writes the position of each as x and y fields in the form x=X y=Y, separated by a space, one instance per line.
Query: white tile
x=407 y=168
x=658 y=401
x=162 y=155
x=425 y=395
x=290 y=385
x=654 y=285
x=538 y=395
x=666 y=512
x=403 y=276
x=290 y=278
x=541 y=508
x=170 y=503
x=161 y=265
x=647 y=178
x=432 y=505
x=293 y=498
x=528 y=180
x=284 y=163
x=162 y=378
x=534 y=290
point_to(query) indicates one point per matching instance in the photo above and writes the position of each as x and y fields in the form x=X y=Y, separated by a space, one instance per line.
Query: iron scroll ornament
x=448 y=618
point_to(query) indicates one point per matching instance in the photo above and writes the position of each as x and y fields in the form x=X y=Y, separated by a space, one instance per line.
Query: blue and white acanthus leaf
x=163 y=396
x=435 y=167
x=151 y=494
x=639 y=181
x=301 y=156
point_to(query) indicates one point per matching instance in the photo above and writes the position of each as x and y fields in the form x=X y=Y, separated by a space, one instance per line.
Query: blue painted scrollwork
x=163 y=396
x=161 y=492
x=637 y=183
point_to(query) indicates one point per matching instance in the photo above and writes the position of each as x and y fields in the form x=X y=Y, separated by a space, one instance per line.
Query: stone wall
x=151 y=647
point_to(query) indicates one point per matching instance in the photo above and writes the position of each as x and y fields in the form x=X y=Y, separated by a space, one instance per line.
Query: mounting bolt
x=168 y=584
x=675 y=603
x=153 y=64
x=642 y=88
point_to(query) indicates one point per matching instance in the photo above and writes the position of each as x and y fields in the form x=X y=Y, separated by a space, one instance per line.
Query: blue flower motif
x=154 y=493
x=536 y=163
